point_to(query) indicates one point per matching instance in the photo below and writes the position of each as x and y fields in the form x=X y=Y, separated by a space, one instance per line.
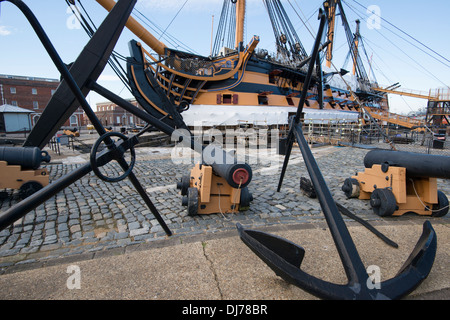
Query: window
x=226 y=98
x=14 y=103
x=53 y=91
x=12 y=90
x=34 y=91
x=290 y=101
x=35 y=105
x=73 y=121
x=263 y=99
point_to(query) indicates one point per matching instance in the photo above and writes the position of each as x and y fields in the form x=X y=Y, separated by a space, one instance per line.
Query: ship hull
x=239 y=80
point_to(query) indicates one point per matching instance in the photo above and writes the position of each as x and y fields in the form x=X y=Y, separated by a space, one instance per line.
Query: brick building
x=111 y=115
x=33 y=93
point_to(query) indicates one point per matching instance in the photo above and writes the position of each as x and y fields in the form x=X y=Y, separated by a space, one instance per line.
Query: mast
x=212 y=33
x=138 y=30
x=240 y=19
x=330 y=10
x=355 y=47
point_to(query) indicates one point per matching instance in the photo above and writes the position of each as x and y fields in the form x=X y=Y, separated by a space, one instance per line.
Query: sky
x=389 y=31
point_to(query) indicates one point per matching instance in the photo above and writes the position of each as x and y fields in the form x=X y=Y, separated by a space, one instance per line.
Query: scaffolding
x=438 y=107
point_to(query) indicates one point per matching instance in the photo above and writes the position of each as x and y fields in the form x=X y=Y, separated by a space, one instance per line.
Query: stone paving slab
x=221 y=267
x=92 y=218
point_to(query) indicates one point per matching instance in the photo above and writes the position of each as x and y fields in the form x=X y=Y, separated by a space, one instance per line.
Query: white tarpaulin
x=221 y=115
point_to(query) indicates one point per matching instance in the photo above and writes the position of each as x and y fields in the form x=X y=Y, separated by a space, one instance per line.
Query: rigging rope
x=408 y=35
x=287 y=41
x=226 y=28
x=304 y=22
x=175 y=43
x=173 y=19
x=395 y=45
x=90 y=28
x=367 y=57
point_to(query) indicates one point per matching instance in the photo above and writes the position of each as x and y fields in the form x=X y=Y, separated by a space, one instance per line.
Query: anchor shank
x=290 y=138
x=289 y=142
x=351 y=260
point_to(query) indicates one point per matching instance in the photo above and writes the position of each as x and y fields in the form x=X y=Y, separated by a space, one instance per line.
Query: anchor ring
x=117 y=154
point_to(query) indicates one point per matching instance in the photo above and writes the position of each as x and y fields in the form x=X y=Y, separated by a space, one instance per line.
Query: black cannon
x=19 y=169
x=26 y=157
x=398 y=182
x=416 y=164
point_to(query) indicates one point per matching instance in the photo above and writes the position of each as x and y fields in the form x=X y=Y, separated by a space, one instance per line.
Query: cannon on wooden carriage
x=398 y=182
x=20 y=169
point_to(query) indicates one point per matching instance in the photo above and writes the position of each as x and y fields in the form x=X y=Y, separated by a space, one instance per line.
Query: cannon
x=72 y=132
x=206 y=189
x=398 y=182
x=19 y=169
x=217 y=188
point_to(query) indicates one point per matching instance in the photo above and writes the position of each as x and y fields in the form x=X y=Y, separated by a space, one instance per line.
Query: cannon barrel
x=416 y=164
x=226 y=165
x=27 y=157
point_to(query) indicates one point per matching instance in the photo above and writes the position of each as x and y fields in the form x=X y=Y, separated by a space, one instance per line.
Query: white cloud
x=4 y=31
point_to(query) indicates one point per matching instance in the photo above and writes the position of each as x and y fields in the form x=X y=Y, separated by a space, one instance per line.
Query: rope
x=220 y=208
x=235 y=195
x=234 y=200
x=349 y=214
x=425 y=206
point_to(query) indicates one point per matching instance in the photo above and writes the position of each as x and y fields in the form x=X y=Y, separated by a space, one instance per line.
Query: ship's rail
x=440 y=94
x=393 y=118
x=192 y=66
x=201 y=68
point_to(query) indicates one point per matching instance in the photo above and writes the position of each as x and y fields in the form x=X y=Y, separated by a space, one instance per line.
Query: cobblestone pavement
x=92 y=216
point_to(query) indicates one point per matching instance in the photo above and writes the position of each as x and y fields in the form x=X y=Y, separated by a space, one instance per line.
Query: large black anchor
x=285 y=257
x=71 y=93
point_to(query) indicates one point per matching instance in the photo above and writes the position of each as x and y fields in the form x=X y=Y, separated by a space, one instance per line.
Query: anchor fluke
x=284 y=258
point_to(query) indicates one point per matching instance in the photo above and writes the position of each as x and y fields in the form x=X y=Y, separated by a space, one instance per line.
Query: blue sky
x=394 y=59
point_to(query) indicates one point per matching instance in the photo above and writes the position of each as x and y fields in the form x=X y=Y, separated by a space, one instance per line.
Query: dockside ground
x=104 y=234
